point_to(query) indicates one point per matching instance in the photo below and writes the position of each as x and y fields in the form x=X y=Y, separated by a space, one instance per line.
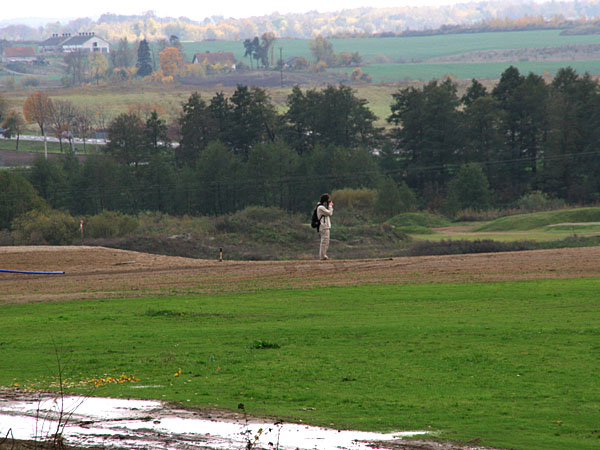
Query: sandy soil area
x=97 y=272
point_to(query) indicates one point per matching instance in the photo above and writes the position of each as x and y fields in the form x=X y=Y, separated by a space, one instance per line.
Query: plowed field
x=97 y=272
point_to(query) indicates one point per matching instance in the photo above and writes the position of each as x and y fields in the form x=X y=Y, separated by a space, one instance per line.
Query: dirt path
x=97 y=272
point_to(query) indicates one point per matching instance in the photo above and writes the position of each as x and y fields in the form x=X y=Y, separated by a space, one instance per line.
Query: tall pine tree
x=144 y=59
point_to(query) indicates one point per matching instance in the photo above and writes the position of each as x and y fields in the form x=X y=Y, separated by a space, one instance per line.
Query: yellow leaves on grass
x=102 y=381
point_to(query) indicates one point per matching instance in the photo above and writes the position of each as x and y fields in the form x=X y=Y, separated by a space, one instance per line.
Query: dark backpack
x=315 y=222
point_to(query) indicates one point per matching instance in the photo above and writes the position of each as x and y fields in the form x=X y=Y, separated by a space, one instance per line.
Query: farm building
x=225 y=59
x=67 y=43
x=19 y=54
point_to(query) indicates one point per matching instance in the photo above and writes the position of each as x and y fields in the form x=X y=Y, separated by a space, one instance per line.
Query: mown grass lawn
x=515 y=364
x=32 y=146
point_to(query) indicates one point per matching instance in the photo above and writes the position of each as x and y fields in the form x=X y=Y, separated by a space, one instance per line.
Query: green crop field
x=403 y=56
x=514 y=364
x=408 y=48
x=430 y=71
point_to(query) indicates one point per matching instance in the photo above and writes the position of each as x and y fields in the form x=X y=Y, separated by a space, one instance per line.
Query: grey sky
x=196 y=10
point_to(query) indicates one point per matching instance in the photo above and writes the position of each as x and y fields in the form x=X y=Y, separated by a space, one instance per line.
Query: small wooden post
x=221 y=254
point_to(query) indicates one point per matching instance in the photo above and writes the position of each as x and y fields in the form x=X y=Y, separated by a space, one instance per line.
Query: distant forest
x=575 y=17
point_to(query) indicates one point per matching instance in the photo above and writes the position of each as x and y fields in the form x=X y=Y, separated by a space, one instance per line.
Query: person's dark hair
x=324 y=199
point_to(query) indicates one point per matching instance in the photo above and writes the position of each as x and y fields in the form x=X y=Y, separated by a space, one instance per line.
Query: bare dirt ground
x=98 y=272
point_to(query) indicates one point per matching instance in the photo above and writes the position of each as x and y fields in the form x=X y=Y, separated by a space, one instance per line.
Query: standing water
x=141 y=424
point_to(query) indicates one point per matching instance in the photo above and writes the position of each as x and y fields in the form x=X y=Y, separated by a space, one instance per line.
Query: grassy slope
x=417 y=223
x=514 y=364
x=524 y=222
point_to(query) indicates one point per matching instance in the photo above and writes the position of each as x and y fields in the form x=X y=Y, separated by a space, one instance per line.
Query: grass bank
x=526 y=222
x=513 y=364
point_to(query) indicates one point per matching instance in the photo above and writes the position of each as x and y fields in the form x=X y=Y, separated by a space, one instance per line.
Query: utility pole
x=281 y=64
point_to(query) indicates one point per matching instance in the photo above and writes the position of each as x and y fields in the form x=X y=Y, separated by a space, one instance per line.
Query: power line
x=305 y=179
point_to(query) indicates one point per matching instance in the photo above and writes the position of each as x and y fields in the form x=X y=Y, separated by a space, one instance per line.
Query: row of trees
x=525 y=133
x=60 y=117
x=494 y=15
x=259 y=49
x=448 y=152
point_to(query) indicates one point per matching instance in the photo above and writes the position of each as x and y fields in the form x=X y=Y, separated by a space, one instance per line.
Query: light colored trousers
x=324 y=243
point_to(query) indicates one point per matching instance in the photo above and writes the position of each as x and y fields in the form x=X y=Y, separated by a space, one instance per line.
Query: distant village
x=87 y=42
x=57 y=43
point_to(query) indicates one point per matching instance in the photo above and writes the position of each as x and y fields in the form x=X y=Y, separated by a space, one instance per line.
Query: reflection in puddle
x=141 y=424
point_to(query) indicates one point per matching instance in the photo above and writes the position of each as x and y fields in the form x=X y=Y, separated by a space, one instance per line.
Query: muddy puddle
x=140 y=424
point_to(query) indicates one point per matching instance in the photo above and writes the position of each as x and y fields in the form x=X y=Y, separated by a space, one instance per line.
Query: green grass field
x=514 y=364
x=524 y=222
x=543 y=226
x=429 y=71
x=407 y=48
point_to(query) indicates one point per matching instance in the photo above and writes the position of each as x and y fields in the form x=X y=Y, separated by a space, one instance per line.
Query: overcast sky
x=193 y=9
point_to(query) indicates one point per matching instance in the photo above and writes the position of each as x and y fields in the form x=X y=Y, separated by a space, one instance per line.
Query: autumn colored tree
x=83 y=124
x=170 y=61
x=98 y=65
x=322 y=50
x=122 y=56
x=38 y=109
x=76 y=62
x=61 y=118
x=266 y=48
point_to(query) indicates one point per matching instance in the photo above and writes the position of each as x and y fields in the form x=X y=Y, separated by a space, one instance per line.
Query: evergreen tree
x=474 y=91
x=332 y=116
x=253 y=119
x=127 y=139
x=570 y=161
x=144 y=59
x=197 y=130
x=427 y=134
x=156 y=133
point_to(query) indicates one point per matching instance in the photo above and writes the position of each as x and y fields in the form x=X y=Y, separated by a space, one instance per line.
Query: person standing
x=324 y=213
